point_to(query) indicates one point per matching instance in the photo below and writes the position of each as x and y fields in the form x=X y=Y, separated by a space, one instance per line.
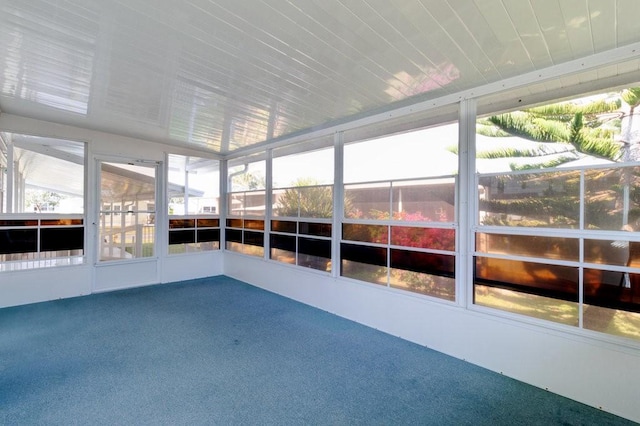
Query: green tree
x=306 y=199
x=41 y=200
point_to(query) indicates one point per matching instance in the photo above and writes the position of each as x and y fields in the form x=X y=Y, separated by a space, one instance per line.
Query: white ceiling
x=224 y=75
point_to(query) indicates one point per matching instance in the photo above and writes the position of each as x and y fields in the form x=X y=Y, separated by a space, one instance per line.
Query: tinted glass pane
x=314 y=253
x=432 y=238
x=233 y=235
x=612 y=252
x=320 y=248
x=208 y=223
x=364 y=254
x=283 y=226
x=424 y=200
x=234 y=223
x=182 y=237
x=529 y=245
x=254 y=224
x=18 y=241
x=60 y=222
x=558 y=282
x=550 y=199
x=316 y=201
x=532 y=305
x=284 y=242
x=14 y=223
x=430 y=263
x=181 y=223
x=317 y=229
x=254 y=238
x=365 y=233
x=367 y=201
x=52 y=239
x=611 y=289
x=208 y=235
x=425 y=273
x=610 y=194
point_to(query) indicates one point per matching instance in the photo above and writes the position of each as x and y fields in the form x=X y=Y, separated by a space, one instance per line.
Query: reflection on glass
x=612 y=252
x=314 y=253
x=612 y=289
x=427 y=284
x=425 y=273
x=283 y=248
x=543 y=199
x=364 y=263
x=365 y=233
x=556 y=281
x=618 y=322
x=612 y=198
x=529 y=245
x=531 y=305
x=534 y=289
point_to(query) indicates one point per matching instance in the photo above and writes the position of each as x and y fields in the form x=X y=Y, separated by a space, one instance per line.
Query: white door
x=127 y=252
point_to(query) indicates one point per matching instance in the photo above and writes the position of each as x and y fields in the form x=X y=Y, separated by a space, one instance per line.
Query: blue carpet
x=218 y=351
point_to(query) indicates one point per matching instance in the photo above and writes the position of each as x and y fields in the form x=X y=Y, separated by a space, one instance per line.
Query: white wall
x=43 y=284
x=600 y=374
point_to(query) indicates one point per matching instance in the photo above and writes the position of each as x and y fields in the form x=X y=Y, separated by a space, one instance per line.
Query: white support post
x=338 y=202
x=467 y=194
x=268 y=200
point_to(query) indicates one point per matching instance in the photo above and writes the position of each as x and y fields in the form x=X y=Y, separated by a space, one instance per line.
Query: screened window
x=303 y=204
x=558 y=206
x=194 y=199
x=246 y=208
x=41 y=202
x=399 y=225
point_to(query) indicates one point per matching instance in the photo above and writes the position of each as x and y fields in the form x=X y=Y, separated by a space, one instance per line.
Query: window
x=42 y=202
x=246 y=208
x=557 y=188
x=128 y=209
x=399 y=226
x=303 y=208
x=194 y=199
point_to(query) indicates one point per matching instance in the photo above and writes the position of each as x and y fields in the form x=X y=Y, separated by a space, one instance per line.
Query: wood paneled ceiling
x=223 y=75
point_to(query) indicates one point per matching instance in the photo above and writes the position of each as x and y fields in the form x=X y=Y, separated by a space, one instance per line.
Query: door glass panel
x=127 y=211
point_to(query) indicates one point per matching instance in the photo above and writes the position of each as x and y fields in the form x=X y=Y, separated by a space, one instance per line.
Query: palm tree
x=588 y=127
